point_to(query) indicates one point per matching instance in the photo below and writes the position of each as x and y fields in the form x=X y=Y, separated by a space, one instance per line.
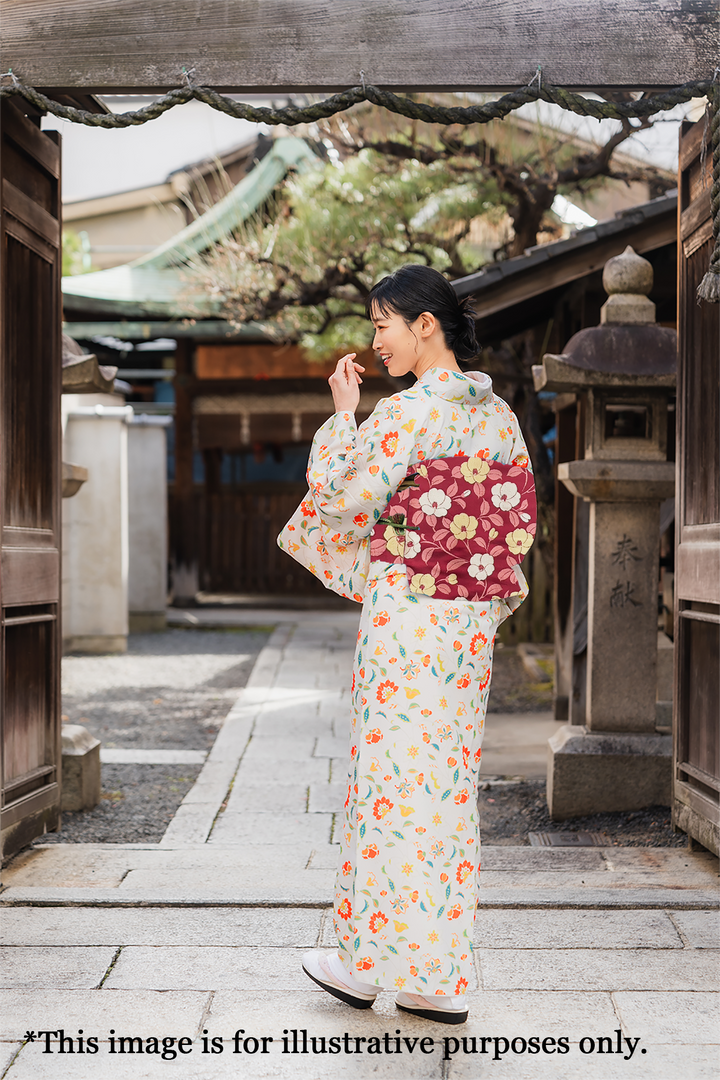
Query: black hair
x=413 y=289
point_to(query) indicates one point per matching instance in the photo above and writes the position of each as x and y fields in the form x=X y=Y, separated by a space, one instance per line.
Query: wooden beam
x=273 y=361
x=78 y=100
x=184 y=380
x=118 y=46
x=256 y=362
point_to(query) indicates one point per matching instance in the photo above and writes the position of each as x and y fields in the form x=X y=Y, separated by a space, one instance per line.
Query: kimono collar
x=470 y=387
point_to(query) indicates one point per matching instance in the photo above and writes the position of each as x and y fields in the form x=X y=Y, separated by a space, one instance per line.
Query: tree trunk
x=526 y=215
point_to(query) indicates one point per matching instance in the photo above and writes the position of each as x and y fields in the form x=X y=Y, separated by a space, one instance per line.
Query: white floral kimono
x=410 y=847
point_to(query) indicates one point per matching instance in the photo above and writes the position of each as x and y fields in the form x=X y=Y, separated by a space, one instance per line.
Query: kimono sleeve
x=352 y=473
x=513 y=448
x=517 y=454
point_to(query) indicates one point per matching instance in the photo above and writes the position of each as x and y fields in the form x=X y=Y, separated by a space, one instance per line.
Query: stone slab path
x=579 y=952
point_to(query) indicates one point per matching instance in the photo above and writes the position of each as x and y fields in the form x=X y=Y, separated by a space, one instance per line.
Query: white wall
x=95 y=525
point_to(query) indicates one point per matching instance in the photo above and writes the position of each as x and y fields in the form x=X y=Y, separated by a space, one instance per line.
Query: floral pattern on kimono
x=409 y=843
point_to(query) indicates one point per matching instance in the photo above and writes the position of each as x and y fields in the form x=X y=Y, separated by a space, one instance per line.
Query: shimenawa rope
x=291 y=115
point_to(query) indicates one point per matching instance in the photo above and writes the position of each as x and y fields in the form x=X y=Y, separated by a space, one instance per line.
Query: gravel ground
x=138 y=803
x=512 y=690
x=171 y=690
x=508 y=814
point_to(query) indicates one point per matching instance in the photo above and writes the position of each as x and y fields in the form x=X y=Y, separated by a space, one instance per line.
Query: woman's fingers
x=346 y=368
x=353 y=369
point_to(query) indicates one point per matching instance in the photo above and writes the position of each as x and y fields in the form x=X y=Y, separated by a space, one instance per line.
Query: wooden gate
x=30 y=372
x=241 y=552
x=231 y=536
x=696 y=780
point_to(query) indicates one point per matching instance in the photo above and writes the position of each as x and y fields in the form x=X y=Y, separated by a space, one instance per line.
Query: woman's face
x=399 y=345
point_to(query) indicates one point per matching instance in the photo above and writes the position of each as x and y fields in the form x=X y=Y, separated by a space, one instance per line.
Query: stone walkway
x=200 y=937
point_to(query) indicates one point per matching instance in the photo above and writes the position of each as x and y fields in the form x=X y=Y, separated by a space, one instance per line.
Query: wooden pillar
x=581 y=555
x=184 y=530
x=183 y=418
x=565 y=419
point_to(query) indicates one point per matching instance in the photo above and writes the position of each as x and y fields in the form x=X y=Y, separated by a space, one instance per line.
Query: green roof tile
x=153 y=286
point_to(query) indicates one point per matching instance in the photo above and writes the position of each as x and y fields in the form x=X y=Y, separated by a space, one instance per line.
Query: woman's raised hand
x=345 y=383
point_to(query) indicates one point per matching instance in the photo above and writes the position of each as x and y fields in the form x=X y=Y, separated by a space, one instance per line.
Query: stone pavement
x=579 y=952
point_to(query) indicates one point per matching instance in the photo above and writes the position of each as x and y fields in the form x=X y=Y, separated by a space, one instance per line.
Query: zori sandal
x=328 y=972
x=445 y=1010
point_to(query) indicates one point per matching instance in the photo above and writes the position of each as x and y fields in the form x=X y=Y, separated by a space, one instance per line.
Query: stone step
x=317 y=893
x=110 y=865
x=110 y=755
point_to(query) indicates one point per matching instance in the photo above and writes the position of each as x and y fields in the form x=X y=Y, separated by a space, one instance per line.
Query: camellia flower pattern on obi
x=459 y=525
x=406 y=886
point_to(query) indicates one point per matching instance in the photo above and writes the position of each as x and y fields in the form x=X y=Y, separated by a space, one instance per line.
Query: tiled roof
x=539 y=258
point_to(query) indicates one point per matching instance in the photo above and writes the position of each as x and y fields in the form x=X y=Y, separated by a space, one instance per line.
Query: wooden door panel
x=696 y=772
x=30 y=576
x=30 y=372
x=25 y=208
x=27 y=141
x=697 y=567
x=702 y=752
x=14 y=537
x=27 y=698
x=28 y=423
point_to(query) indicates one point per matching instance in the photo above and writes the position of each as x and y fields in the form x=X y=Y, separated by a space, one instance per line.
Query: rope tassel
x=709 y=287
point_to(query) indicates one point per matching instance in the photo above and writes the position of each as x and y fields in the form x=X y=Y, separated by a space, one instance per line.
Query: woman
x=381 y=525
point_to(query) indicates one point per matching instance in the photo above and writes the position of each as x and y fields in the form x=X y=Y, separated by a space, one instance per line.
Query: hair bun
x=465 y=344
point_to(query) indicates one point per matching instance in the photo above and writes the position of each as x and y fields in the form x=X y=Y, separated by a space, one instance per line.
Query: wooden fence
x=232 y=539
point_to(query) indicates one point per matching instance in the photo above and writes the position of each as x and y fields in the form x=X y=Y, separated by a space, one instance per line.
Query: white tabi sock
x=339 y=971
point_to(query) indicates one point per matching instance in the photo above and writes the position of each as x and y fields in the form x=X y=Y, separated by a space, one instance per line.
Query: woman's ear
x=428 y=323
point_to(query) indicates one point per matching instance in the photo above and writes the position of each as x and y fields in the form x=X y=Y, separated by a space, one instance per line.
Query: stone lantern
x=625 y=369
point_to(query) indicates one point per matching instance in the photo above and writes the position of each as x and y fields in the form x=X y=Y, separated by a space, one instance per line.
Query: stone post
x=80 y=768
x=147 y=523
x=95 y=526
x=622 y=616
x=625 y=368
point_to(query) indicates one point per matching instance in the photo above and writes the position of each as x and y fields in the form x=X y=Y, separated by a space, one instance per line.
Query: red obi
x=460 y=525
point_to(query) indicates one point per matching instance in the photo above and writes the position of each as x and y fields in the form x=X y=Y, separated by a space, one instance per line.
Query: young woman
x=423 y=514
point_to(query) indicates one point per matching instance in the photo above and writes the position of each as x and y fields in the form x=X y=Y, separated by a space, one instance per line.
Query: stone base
x=145 y=622
x=591 y=772
x=80 y=768
x=663 y=717
x=95 y=644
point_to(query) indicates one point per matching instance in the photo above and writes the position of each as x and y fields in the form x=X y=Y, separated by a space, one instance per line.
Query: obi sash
x=460 y=526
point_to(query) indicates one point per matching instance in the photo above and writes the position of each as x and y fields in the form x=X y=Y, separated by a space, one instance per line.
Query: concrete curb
x=195 y=817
